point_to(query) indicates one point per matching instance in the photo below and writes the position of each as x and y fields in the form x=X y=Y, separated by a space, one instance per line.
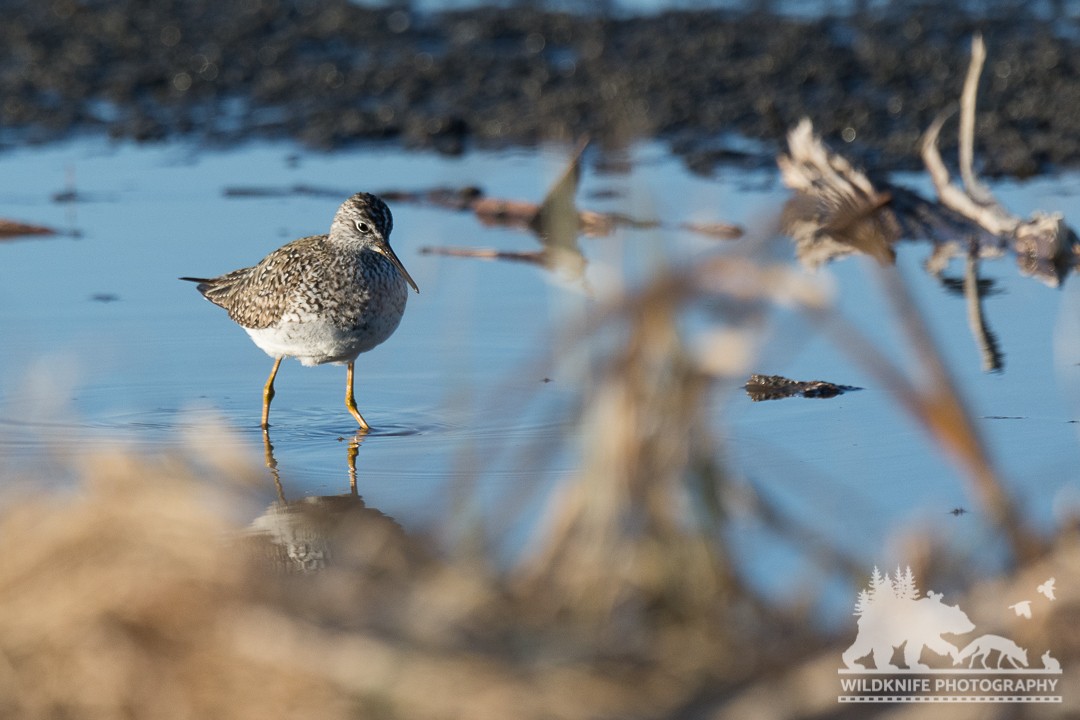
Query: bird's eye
x=363 y=227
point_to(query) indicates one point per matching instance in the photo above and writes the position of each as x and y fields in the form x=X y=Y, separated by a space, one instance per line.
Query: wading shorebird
x=321 y=299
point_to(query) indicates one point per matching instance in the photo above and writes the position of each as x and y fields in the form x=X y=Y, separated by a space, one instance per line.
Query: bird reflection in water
x=313 y=532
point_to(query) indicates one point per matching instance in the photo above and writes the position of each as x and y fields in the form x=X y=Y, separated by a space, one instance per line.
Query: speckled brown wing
x=257 y=297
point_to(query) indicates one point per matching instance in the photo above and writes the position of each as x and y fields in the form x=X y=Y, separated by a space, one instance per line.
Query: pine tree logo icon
x=891 y=614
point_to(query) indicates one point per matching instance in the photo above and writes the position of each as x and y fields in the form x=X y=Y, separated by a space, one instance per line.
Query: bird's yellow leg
x=268 y=393
x=350 y=401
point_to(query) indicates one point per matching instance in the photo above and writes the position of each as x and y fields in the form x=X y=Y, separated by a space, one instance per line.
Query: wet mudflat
x=704 y=81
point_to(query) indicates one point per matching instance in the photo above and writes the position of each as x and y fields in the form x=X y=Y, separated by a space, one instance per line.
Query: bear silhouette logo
x=891 y=614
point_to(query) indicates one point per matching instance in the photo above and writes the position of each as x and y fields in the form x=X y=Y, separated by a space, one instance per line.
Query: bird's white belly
x=314 y=340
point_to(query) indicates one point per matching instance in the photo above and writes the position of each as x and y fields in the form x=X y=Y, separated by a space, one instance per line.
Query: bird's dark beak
x=384 y=249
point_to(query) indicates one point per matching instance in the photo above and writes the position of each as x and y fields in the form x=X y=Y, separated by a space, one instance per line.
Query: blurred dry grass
x=136 y=598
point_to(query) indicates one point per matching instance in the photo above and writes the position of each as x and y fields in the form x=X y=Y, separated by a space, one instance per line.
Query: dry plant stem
x=976 y=203
x=935 y=405
x=718 y=230
x=979 y=192
x=535 y=257
x=992 y=217
x=616 y=543
x=1043 y=239
x=556 y=223
x=616 y=533
x=558 y=212
x=495 y=211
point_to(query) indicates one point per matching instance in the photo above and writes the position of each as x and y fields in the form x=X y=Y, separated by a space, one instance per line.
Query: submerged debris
x=718 y=230
x=460 y=198
x=299 y=190
x=454 y=198
x=777 y=387
x=838 y=210
x=1044 y=245
x=556 y=222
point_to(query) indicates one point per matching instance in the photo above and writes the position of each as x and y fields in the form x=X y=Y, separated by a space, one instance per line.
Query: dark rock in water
x=331 y=72
x=777 y=387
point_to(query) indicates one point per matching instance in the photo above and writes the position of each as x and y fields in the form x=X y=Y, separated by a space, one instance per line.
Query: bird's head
x=365 y=219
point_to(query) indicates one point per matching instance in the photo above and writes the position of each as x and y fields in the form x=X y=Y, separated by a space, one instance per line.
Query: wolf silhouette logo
x=981 y=647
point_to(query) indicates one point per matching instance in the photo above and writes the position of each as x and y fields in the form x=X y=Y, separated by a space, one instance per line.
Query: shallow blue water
x=101 y=342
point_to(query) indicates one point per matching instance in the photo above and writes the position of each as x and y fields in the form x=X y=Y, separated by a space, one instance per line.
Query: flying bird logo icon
x=1022 y=609
x=1047 y=589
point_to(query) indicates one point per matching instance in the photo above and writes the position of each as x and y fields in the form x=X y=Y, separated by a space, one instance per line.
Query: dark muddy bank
x=330 y=73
